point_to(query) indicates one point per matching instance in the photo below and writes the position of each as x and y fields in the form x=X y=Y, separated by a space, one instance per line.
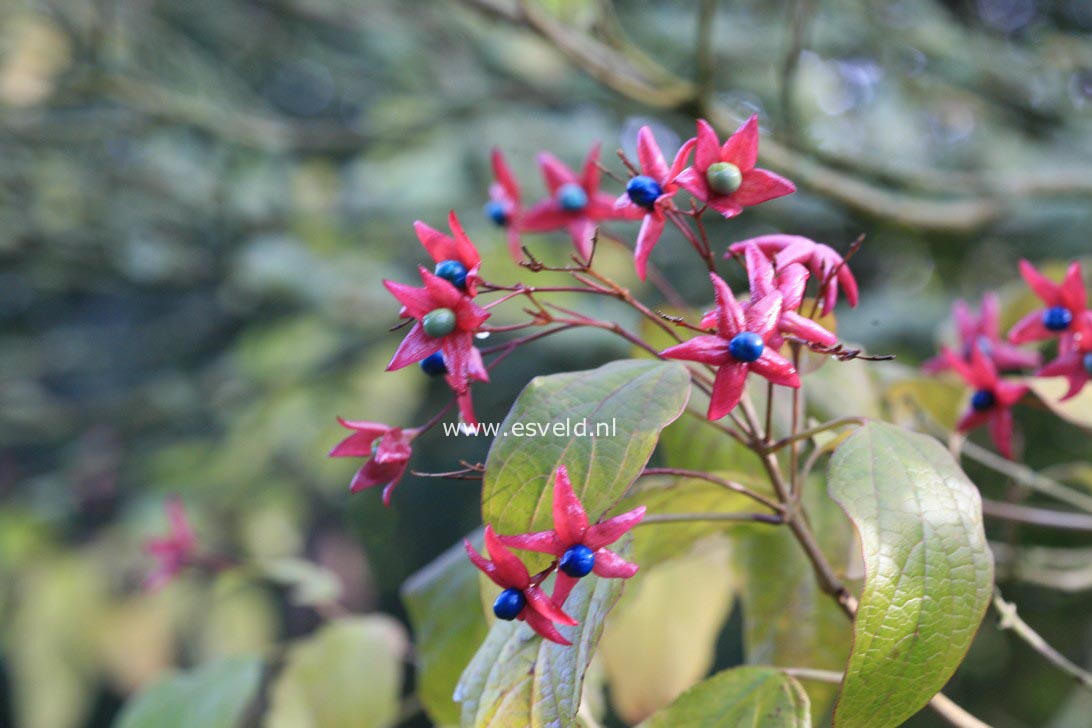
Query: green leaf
x=519 y=680
x=928 y=571
x=744 y=696
x=444 y=605
x=787 y=619
x=632 y=399
x=216 y=695
x=346 y=675
x=661 y=638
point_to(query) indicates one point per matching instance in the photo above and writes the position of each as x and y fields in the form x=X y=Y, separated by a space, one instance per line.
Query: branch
x=1010 y=620
x=1026 y=477
x=706 y=58
x=1038 y=516
x=801 y=22
x=716 y=480
x=655 y=518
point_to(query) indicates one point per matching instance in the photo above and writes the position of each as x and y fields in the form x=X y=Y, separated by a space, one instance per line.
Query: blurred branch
x=1025 y=476
x=1038 y=516
x=612 y=68
x=705 y=52
x=803 y=13
x=1010 y=620
x=608 y=65
x=1063 y=569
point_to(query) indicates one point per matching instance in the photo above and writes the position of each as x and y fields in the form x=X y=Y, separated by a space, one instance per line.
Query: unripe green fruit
x=724 y=178
x=439 y=322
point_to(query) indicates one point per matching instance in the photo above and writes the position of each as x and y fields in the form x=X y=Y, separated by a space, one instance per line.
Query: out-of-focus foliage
x=198 y=201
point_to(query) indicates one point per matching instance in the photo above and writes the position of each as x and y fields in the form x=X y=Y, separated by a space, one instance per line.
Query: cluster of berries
x=722 y=177
x=983 y=354
x=578 y=548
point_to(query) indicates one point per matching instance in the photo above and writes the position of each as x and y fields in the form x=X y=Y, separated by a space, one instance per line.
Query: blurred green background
x=198 y=201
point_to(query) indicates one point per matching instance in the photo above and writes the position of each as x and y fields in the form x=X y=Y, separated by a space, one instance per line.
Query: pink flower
x=457 y=260
x=580 y=547
x=649 y=194
x=984 y=331
x=522 y=598
x=828 y=267
x=575 y=203
x=1075 y=364
x=1066 y=314
x=387 y=450
x=446 y=320
x=725 y=177
x=992 y=400
x=790 y=282
x=741 y=345
x=505 y=206
x=174 y=552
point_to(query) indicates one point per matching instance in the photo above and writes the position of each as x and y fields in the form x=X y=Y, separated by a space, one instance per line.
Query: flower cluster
x=1064 y=318
x=749 y=335
x=578 y=548
x=445 y=318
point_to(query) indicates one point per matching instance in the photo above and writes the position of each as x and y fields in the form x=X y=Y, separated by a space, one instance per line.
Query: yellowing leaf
x=762 y=697
x=1077 y=410
x=662 y=637
x=443 y=601
x=346 y=675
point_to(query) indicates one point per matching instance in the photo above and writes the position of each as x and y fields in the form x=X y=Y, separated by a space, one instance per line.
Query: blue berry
x=982 y=400
x=496 y=212
x=644 y=191
x=434 y=365
x=577 y=561
x=572 y=197
x=439 y=322
x=1057 y=318
x=1086 y=362
x=509 y=604
x=453 y=272
x=746 y=346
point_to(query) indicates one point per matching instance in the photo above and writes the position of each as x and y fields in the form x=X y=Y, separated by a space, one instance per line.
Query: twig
x=1010 y=620
x=1026 y=476
x=808 y=673
x=1038 y=516
x=813 y=431
x=717 y=480
x=839 y=351
x=655 y=518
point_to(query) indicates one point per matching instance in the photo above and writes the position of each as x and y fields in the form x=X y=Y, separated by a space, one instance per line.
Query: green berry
x=724 y=178
x=439 y=322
